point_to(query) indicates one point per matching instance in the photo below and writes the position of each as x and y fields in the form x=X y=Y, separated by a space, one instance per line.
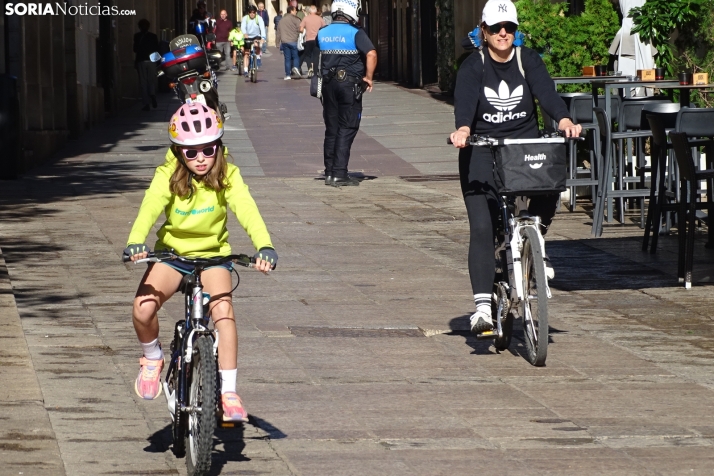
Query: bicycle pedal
x=493 y=333
x=229 y=424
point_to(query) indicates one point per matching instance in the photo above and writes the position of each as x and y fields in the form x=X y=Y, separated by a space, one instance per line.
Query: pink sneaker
x=233 y=408
x=148 y=383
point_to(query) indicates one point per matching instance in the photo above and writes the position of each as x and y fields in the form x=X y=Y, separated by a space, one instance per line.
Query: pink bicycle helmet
x=195 y=124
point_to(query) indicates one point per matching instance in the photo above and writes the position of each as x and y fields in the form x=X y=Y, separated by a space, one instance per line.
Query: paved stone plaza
x=353 y=356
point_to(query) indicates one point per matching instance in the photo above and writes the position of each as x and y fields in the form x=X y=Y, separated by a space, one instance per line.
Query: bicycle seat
x=187 y=283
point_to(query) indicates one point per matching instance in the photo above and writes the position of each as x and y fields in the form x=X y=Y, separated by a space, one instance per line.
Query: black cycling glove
x=267 y=254
x=135 y=249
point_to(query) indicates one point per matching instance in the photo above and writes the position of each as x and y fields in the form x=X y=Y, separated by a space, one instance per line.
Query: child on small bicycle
x=194 y=187
x=236 y=38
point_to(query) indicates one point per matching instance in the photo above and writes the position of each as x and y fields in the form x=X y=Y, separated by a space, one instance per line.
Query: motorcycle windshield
x=183 y=41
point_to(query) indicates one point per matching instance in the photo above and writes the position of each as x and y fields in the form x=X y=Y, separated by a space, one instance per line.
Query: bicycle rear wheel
x=253 y=74
x=535 y=298
x=202 y=400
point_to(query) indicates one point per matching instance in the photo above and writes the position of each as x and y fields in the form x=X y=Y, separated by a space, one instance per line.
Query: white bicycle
x=520 y=287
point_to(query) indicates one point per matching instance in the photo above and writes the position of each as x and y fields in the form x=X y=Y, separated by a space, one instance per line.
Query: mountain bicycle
x=191 y=385
x=520 y=287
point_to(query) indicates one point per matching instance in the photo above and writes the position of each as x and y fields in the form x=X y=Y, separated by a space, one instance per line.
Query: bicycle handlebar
x=159 y=256
x=482 y=141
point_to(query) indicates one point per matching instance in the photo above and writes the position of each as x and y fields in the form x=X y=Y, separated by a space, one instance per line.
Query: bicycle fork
x=183 y=354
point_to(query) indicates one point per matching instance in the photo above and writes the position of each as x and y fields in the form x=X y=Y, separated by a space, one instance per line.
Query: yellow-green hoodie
x=236 y=37
x=196 y=226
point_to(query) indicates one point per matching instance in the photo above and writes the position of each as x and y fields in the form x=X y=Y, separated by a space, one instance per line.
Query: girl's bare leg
x=217 y=283
x=159 y=283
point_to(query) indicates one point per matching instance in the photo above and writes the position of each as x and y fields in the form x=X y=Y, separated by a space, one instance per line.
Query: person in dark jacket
x=266 y=19
x=496 y=89
x=146 y=43
x=347 y=67
x=222 y=29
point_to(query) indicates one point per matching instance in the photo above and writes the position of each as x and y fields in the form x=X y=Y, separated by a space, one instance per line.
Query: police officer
x=347 y=65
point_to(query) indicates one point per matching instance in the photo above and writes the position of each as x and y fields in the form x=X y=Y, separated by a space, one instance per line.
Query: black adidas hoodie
x=495 y=99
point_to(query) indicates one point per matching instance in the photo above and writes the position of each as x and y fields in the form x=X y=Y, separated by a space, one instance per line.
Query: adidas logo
x=503 y=101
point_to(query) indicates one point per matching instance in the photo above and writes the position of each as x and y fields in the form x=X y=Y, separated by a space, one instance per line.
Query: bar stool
x=581 y=112
x=604 y=189
x=688 y=205
x=698 y=125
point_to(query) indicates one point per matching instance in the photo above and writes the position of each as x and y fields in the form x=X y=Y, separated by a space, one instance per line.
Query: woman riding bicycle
x=496 y=89
x=194 y=188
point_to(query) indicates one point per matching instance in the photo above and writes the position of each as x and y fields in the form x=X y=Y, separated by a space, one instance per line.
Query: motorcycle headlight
x=205 y=86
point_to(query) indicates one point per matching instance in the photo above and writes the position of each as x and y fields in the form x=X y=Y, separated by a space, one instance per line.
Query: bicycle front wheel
x=254 y=75
x=202 y=408
x=535 y=298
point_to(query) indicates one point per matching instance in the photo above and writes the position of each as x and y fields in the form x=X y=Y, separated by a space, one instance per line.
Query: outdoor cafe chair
x=698 y=125
x=633 y=167
x=581 y=111
x=605 y=190
x=688 y=205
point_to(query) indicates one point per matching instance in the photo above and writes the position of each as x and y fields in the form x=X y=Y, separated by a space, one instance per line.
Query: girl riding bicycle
x=495 y=94
x=193 y=188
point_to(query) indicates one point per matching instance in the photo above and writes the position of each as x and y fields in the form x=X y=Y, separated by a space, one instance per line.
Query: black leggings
x=480 y=197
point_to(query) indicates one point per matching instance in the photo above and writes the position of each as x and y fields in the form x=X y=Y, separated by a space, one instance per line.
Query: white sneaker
x=287 y=78
x=481 y=321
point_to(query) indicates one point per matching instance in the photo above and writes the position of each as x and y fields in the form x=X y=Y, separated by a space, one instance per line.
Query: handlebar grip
x=125 y=259
x=448 y=141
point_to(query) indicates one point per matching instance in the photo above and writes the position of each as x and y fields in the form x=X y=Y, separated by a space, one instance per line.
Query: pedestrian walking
x=326 y=14
x=287 y=37
x=146 y=43
x=311 y=24
x=236 y=38
x=194 y=188
x=348 y=63
x=266 y=20
x=222 y=29
x=276 y=20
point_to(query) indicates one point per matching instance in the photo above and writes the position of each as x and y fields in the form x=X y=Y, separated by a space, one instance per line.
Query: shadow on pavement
x=232 y=440
x=620 y=264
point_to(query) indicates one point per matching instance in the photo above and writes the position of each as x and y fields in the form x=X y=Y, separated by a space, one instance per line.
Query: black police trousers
x=342 y=113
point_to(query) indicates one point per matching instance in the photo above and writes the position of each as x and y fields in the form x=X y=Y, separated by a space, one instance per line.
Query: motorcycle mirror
x=155 y=57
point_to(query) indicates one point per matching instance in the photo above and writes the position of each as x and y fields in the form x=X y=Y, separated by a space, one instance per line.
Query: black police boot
x=328 y=179
x=344 y=181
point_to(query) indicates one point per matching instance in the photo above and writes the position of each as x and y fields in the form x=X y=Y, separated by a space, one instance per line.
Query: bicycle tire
x=201 y=391
x=254 y=75
x=501 y=297
x=535 y=303
x=179 y=424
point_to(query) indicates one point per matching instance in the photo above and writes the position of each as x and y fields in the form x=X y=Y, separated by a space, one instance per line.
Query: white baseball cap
x=498 y=11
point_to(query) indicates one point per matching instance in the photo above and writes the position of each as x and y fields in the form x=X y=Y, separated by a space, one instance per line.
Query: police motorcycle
x=188 y=66
x=200 y=28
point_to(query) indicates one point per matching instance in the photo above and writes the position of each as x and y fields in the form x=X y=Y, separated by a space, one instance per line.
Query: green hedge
x=567 y=43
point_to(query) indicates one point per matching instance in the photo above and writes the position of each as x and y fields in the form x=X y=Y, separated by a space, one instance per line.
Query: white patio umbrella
x=632 y=53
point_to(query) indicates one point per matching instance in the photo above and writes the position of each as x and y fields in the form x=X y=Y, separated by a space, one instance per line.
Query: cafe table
x=582 y=79
x=608 y=84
